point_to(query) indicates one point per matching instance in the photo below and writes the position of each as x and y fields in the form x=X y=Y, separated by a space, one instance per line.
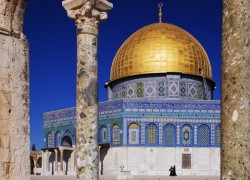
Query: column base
x=56 y=173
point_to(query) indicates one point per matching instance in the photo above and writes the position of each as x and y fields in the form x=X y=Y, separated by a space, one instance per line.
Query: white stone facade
x=157 y=160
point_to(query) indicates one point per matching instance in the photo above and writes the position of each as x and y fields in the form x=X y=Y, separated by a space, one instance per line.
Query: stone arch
x=66 y=141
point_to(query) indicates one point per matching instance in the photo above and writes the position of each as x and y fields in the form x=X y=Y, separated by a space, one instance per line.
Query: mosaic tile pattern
x=173 y=88
x=162 y=87
x=139 y=90
x=195 y=134
x=144 y=112
x=123 y=92
x=183 y=89
x=143 y=133
x=160 y=132
x=192 y=91
x=178 y=134
x=161 y=90
x=150 y=89
x=131 y=91
x=213 y=134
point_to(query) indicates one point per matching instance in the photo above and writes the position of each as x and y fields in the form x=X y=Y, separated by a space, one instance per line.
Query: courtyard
x=135 y=178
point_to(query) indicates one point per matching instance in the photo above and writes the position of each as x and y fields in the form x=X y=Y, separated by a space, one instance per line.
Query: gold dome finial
x=160 y=13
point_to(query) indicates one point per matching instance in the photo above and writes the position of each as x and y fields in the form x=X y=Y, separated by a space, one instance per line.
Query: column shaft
x=47 y=160
x=61 y=160
x=235 y=150
x=87 y=15
x=56 y=160
x=86 y=144
x=43 y=169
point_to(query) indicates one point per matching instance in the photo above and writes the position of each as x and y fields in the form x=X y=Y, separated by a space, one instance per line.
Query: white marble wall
x=157 y=160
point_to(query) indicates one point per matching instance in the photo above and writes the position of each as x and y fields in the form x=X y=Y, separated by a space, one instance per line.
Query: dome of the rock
x=160 y=48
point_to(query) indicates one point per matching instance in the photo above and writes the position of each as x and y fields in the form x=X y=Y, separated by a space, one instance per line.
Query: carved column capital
x=87 y=13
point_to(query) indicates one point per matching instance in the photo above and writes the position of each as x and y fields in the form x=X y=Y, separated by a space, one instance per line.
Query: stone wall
x=14 y=93
x=157 y=160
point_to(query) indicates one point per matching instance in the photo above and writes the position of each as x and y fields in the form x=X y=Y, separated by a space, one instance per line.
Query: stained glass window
x=169 y=135
x=186 y=135
x=116 y=134
x=50 y=140
x=204 y=135
x=104 y=134
x=219 y=135
x=151 y=134
x=133 y=134
x=58 y=137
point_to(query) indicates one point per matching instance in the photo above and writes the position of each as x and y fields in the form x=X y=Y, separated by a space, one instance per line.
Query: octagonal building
x=160 y=111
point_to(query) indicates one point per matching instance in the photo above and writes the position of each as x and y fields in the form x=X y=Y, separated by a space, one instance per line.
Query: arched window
x=57 y=138
x=133 y=133
x=169 y=135
x=50 y=140
x=116 y=134
x=218 y=135
x=186 y=135
x=151 y=134
x=104 y=134
x=203 y=135
x=66 y=141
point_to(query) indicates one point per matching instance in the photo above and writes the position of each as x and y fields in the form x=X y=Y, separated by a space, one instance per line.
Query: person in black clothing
x=171 y=171
x=174 y=172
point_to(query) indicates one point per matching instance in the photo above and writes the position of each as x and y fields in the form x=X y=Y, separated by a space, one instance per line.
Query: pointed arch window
x=169 y=135
x=104 y=134
x=58 y=138
x=203 y=135
x=50 y=140
x=151 y=134
x=116 y=134
x=186 y=135
x=134 y=133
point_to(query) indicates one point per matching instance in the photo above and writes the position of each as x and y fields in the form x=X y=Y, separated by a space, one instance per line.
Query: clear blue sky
x=52 y=38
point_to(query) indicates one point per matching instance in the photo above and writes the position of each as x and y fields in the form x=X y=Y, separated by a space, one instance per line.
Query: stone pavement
x=134 y=178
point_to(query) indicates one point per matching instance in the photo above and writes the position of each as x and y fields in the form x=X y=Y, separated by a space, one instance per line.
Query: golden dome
x=160 y=48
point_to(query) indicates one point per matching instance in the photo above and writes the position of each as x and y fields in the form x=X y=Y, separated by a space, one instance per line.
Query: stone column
x=14 y=93
x=56 y=161
x=42 y=163
x=87 y=14
x=61 y=160
x=235 y=149
x=47 y=161
x=35 y=166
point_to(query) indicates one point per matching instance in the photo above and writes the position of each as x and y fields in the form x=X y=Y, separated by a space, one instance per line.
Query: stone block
x=6 y=155
x=4 y=141
x=3 y=115
x=5 y=97
x=4 y=58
